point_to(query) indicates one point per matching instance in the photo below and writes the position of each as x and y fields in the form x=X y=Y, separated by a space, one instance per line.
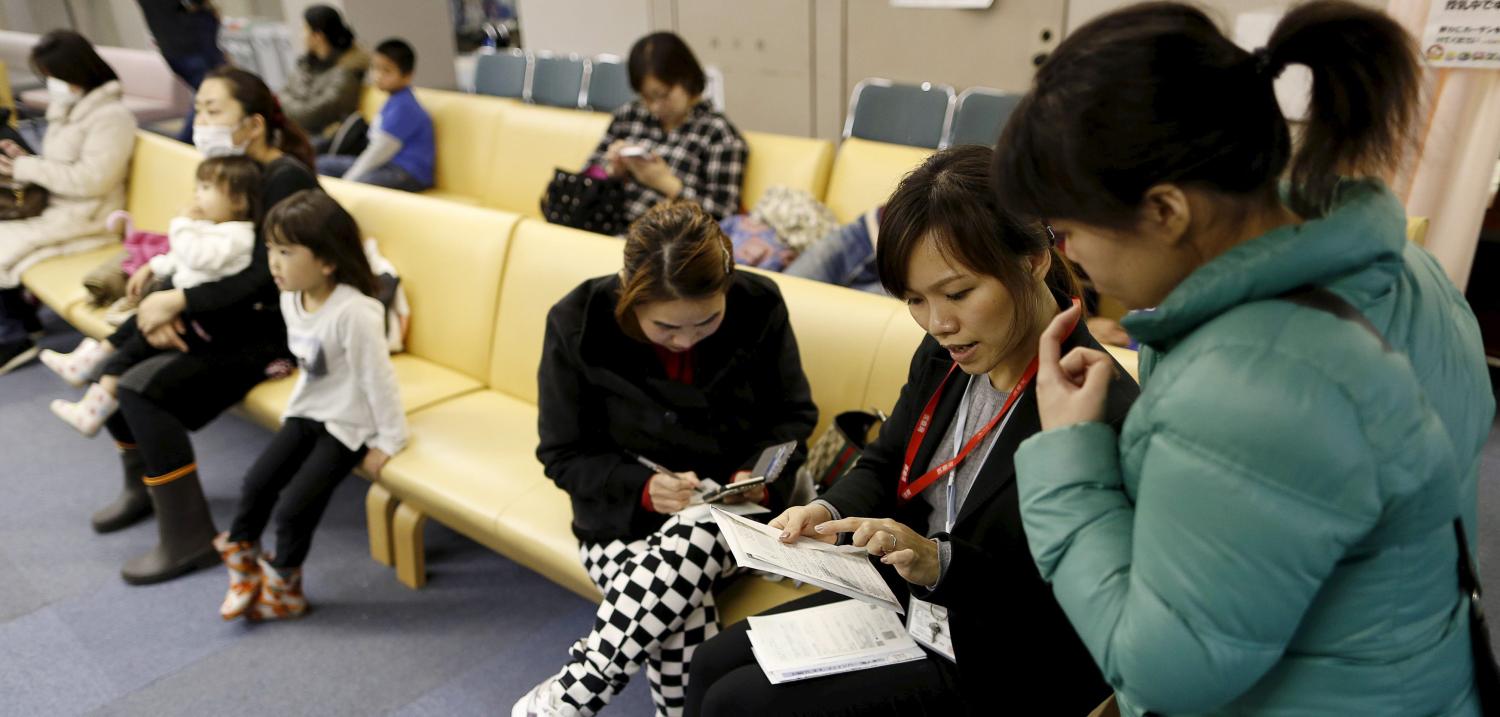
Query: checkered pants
x=658 y=607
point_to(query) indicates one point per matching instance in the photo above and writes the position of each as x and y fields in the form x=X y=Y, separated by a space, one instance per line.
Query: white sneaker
x=544 y=700
x=76 y=367
x=89 y=414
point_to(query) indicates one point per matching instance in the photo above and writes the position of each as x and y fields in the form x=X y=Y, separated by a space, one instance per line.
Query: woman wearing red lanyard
x=934 y=496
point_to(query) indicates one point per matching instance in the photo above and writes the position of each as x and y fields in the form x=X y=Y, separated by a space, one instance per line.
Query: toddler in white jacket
x=214 y=239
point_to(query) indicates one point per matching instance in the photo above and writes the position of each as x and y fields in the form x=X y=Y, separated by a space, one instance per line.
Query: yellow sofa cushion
x=865 y=173
x=780 y=160
x=837 y=330
x=546 y=261
x=161 y=180
x=892 y=360
x=530 y=143
x=450 y=259
x=464 y=128
x=423 y=383
x=58 y=282
x=468 y=459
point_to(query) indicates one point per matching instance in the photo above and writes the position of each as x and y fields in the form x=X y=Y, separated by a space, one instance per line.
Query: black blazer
x=604 y=396
x=1016 y=651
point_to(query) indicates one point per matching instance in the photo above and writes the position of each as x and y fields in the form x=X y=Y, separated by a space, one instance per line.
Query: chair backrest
x=537 y=276
x=865 y=173
x=464 y=128
x=781 y=160
x=450 y=257
x=559 y=81
x=530 y=143
x=609 y=84
x=914 y=115
x=503 y=74
x=980 y=116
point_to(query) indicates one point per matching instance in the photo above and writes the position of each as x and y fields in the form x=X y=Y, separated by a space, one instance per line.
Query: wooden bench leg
x=411 y=555
x=380 y=506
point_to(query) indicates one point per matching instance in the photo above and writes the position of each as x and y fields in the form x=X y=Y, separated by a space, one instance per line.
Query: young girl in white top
x=345 y=410
x=212 y=240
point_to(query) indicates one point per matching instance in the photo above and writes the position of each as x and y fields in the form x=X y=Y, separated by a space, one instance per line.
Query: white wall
x=587 y=27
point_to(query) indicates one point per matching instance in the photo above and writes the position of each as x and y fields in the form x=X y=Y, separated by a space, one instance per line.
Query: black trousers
x=725 y=680
x=298 y=471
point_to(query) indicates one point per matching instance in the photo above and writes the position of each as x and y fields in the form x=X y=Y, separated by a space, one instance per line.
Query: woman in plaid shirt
x=691 y=151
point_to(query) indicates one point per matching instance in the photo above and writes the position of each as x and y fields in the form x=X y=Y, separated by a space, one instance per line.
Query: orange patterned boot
x=244 y=575
x=280 y=594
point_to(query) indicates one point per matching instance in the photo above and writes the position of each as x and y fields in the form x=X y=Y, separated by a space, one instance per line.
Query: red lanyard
x=906 y=491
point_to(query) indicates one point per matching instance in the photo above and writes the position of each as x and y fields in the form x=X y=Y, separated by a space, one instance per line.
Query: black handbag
x=587 y=203
x=1486 y=671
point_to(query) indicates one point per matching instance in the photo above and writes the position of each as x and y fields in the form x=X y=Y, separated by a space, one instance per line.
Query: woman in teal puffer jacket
x=1272 y=532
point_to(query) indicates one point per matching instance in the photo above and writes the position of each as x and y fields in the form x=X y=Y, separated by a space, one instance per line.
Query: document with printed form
x=842 y=637
x=845 y=570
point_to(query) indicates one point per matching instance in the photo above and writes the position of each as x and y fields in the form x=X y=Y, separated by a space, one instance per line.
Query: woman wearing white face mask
x=83 y=161
x=164 y=397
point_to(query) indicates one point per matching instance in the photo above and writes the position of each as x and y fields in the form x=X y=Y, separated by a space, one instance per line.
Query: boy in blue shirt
x=400 y=152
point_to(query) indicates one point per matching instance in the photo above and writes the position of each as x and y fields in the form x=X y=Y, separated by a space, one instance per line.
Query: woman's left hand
x=160 y=309
x=374 y=462
x=915 y=556
x=11 y=150
x=653 y=172
x=1070 y=389
x=754 y=495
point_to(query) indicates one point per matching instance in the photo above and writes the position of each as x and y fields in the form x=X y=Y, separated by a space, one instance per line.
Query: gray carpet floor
x=75 y=639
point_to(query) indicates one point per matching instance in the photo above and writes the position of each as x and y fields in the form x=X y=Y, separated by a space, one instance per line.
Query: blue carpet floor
x=75 y=639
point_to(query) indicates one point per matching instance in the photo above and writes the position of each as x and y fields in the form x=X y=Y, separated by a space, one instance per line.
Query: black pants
x=726 y=680
x=299 y=470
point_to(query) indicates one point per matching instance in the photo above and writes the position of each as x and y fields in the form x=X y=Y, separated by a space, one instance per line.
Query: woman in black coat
x=683 y=361
x=934 y=497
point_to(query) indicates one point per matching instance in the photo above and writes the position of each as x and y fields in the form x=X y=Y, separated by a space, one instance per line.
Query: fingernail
x=819 y=529
x=785 y=536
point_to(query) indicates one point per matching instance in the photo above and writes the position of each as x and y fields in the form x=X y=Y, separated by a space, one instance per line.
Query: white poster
x=1463 y=33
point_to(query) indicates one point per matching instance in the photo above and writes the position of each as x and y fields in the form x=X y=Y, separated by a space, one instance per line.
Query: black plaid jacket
x=707 y=153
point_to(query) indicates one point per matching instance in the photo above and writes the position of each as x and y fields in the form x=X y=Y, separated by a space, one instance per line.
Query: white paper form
x=845 y=570
x=828 y=639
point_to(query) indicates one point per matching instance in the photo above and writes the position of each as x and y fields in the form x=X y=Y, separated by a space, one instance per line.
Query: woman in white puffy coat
x=84 y=159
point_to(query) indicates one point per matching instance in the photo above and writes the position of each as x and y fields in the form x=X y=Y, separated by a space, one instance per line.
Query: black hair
x=70 y=57
x=329 y=23
x=1155 y=93
x=255 y=98
x=399 y=53
x=313 y=219
x=948 y=199
x=666 y=57
x=239 y=177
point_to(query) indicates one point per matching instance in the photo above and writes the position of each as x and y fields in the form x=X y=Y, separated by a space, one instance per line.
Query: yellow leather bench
x=779 y=160
x=448 y=256
x=865 y=173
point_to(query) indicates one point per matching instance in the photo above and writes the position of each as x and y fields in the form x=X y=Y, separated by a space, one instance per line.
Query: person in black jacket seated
x=948 y=537
x=238 y=317
x=686 y=362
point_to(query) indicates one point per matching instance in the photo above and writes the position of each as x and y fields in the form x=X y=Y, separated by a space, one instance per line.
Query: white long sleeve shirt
x=203 y=251
x=346 y=382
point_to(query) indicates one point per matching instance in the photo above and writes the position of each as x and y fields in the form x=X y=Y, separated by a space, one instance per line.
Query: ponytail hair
x=255 y=98
x=327 y=21
x=1155 y=93
x=674 y=251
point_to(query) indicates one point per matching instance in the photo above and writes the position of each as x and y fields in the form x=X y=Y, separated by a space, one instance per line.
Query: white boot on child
x=89 y=414
x=76 y=367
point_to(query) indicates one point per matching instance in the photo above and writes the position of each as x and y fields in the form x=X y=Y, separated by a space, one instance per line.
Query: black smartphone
x=767 y=469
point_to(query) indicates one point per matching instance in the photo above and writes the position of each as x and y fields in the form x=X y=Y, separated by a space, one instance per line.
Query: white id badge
x=928 y=624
